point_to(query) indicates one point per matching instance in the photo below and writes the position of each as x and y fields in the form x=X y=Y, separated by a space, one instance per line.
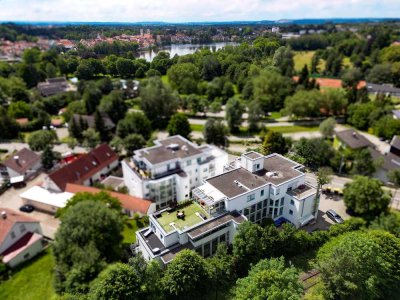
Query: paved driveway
x=11 y=199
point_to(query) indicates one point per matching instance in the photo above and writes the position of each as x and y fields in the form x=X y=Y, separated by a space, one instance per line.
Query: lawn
x=31 y=281
x=292 y=129
x=197 y=127
x=275 y=115
x=190 y=217
x=302 y=58
x=130 y=228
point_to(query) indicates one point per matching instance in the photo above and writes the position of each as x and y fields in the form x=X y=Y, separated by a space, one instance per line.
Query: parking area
x=11 y=199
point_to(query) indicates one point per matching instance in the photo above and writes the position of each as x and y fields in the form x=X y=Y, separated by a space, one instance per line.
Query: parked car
x=334 y=216
x=27 y=208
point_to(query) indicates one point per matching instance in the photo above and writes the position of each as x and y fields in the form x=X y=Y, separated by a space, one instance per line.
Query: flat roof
x=152 y=240
x=215 y=223
x=302 y=191
x=170 y=255
x=39 y=194
x=276 y=170
x=253 y=155
x=168 y=149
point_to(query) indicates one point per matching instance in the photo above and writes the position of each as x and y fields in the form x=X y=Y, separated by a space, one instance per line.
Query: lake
x=183 y=49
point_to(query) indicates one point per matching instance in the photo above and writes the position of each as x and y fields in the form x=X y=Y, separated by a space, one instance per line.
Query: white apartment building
x=253 y=187
x=168 y=171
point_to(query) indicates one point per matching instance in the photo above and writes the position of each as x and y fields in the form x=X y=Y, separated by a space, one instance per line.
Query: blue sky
x=191 y=10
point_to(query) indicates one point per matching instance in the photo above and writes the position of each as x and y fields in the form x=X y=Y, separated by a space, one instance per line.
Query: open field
x=302 y=58
x=292 y=129
x=32 y=281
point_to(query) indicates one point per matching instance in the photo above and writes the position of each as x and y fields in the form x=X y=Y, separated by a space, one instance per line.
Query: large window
x=251 y=197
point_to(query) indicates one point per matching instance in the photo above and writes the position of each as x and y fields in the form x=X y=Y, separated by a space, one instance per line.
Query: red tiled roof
x=22 y=121
x=84 y=167
x=23 y=243
x=26 y=160
x=128 y=202
x=332 y=83
x=12 y=218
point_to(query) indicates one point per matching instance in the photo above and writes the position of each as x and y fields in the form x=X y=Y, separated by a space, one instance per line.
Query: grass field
x=197 y=127
x=32 y=281
x=302 y=58
x=130 y=227
x=292 y=129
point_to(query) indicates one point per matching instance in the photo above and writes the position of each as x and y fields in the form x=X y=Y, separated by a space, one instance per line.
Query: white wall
x=31 y=251
x=29 y=227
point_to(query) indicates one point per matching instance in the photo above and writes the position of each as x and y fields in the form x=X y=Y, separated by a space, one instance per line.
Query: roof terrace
x=181 y=218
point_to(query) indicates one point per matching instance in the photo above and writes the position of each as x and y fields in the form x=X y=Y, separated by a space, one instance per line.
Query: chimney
x=16 y=158
x=4 y=214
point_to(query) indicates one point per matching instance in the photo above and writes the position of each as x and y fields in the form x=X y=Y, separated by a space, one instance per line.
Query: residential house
x=130 y=205
x=168 y=171
x=90 y=121
x=86 y=170
x=20 y=237
x=253 y=187
x=53 y=86
x=24 y=163
x=386 y=89
x=353 y=140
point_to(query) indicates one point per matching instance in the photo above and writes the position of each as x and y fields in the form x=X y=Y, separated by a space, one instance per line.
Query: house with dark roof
x=53 y=86
x=352 y=139
x=86 y=170
x=24 y=163
x=386 y=89
x=89 y=120
x=20 y=237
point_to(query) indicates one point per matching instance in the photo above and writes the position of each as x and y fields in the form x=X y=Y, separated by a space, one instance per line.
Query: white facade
x=253 y=188
x=170 y=180
x=17 y=231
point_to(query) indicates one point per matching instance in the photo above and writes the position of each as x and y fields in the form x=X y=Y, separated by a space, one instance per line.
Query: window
x=189 y=162
x=290 y=212
x=259 y=205
x=265 y=203
x=262 y=193
x=270 y=211
x=161 y=236
x=282 y=201
x=281 y=211
x=12 y=234
x=251 y=197
x=277 y=202
x=205 y=170
x=22 y=228
x=26 y=256
x=291 y=201
x=271 y=202
x=257 y=166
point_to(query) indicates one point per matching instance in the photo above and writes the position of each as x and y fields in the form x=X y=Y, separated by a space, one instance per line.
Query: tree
x=20 y=109
x=363 y=163
x=30 y=74
x=179 y=124
x=360 y=265
x=254 y=115
x=387 y=221
x=274 y=142
x=365 y=196
x=117 y=281
x=380 y=73
x=125 y=67
x=134 y=122
x=114 y=106
x=359 y=115
x=41 y=139
x=102 y=197
x=386 y=127
x=100 y=127
x=394 y=177
x=79 y=252
x=270 y=279
x=283 y=59
x=327 y=127
x=184 y=77
x=133 y=142
x=91 y=97
x=157 y=101
x=304 y=104
x=186 y=276
x=105 y=85
x=91 y=138
x=248 y=246
x=210 y=67
x=233 y=114
x=48 y=158
x=323 y=177
x=334 y=102
x=8 y=127
x=316 y=152
x=215 y=132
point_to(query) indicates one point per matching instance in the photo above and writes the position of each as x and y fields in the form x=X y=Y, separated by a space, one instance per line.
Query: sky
x=191 y=10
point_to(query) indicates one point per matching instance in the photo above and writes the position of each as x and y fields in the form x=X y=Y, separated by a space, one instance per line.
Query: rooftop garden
x=183 y=216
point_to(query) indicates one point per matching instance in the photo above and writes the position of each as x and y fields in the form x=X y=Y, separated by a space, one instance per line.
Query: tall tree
x=274 y=142
x=233 y=114
x=179 y=124
x=365 y=196
x=48 y=158
x=133 y=142
x=215 y=132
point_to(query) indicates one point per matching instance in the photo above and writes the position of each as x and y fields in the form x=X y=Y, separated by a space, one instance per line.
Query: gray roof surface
x=396 y=142
x=215 y=223
x=164 y=151
x=353 y=139
x=227 y=182
x=253 y=155
x=26 y=160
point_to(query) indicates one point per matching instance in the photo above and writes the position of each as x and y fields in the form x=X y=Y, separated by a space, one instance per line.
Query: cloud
x=191 y=10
